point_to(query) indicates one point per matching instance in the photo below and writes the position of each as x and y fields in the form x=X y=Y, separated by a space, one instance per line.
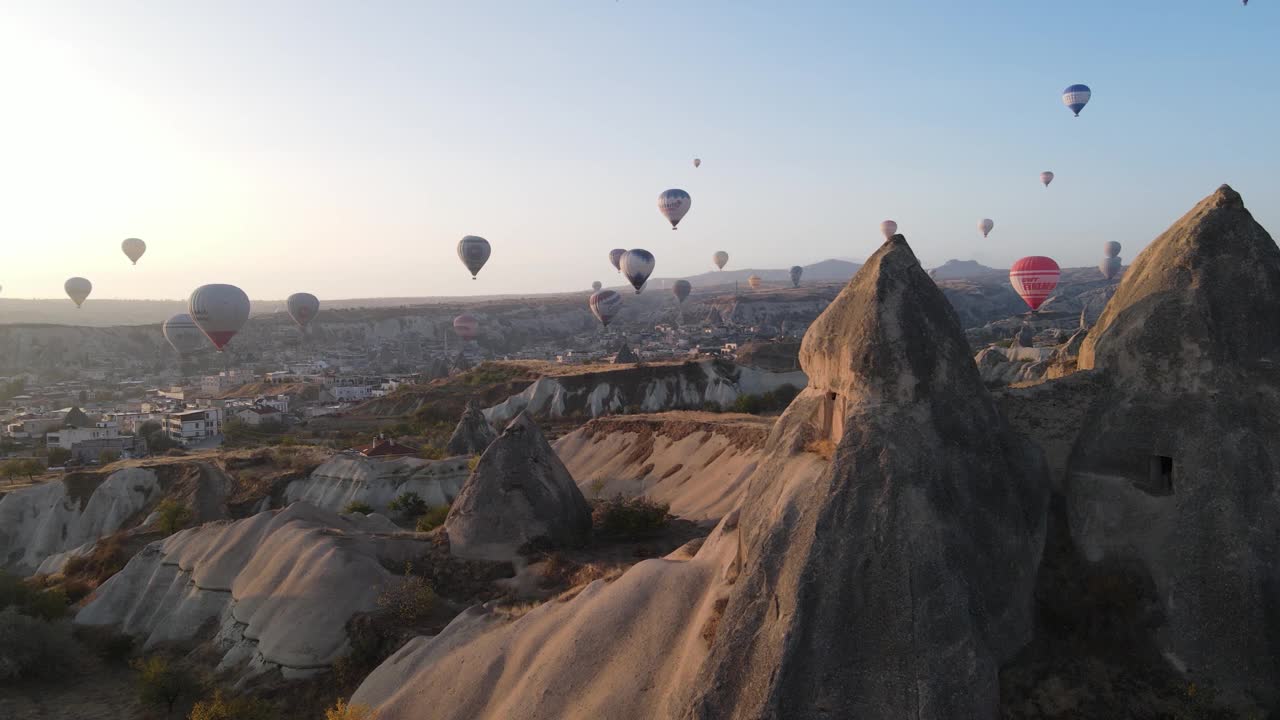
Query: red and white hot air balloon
x=1034 y=278
x=466 y=326
x=219 y=311
x=605 y=304
x=303 y=308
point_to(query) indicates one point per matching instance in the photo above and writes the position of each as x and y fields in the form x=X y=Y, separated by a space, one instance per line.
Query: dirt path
x=93 y=692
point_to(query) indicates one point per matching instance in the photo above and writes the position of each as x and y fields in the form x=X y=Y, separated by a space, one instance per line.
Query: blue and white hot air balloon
x=637 y=265
x=1076 y=97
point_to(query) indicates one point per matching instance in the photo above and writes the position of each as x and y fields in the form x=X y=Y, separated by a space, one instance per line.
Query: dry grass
x=712 y=624
x=823 y=447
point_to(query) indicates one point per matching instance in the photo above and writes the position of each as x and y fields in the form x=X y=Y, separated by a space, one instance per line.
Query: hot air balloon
x=595 y=286
x=1046 y=177
x=796 y=272
x=605 y=305
x=219 y=311
x=466 y=326
x=78 y=289
x=721 y=258
x=182 y=333
x=1076 y=97
x=637 y=265
x=615 y=258
x=133 y=249
x=474 y=252
x=754 y=281
x=681 y=289
x=673 y=204
x=303 y=308
x=1111 y=248
x=986 y=225
x=1033 y=278
x=1110 y=267
x=888 y=228
x=697 y=162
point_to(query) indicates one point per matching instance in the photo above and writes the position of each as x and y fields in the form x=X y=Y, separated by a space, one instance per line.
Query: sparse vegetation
x=342 y=711
x=172 y=516
x=106 y=457
x=59 y=456
x=162 y=683
x=633 y=518
x=33 y=648
x=220 y=707
x=823 y=447
x=32 y=601
x=772 y=401
x=107 y=558
x=432 y=452
x=433 y=518
x=356 y=506
x=408 y=598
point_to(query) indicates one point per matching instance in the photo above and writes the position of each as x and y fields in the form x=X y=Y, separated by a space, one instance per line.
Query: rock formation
x=350 y=477
x=895 y=584
x=473 y=433
x=625 y=355
x=519 y=494
x=1178 y=465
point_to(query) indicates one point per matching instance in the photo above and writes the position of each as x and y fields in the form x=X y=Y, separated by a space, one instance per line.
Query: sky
x=344 y=148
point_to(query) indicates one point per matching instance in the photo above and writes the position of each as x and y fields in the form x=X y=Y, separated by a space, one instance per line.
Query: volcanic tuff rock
x=894 y=584
x=1178 y=464
x=625 y=355
x=473 y=433
x=518 y=494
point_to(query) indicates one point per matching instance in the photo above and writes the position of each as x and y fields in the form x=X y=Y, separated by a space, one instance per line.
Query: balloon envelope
x=1110 y=267
x=303 y=307
x=888 y=228
x=219 y=311
x=1111 y=248
x=754 y=281
x=605 y=305
x=986 y=225
x=796 y=272
x=474 y=252
x=595 y=286
x=697 y=162
x=637 y=266
x=182 y=333
x=673 y=204
x=721 y=258
x=1033 y=278
x=1046 y=177
x=1076 y=97
x=681 y=289
x=78 y=289
x=133 y=249
x=615 y=258
x=466 y=326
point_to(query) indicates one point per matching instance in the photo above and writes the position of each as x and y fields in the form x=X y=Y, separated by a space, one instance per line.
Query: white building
x=351 y=393
x=67 y=437
x=194 y=426
x=258 y=414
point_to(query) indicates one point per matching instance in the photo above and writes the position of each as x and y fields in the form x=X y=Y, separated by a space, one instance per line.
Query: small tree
x=173 y=516
x=219 y=707
x=409 y=504
x=59 y=456
x=356 y=506
x=432 y=518
x=342 y=711
x=164 y=684
x=31 y=468
x=11 y=469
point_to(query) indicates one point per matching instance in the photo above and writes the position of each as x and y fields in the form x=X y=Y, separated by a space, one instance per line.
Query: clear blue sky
x=343 y=148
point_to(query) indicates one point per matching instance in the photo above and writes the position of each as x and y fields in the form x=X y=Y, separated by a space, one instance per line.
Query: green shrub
x=173 y=516
x=431 y=452
x=106 y=457
x=32 y=601
x=220 y=707
x=356 y=506
x=31 y=648
x=342 y=711
x=433 y=518
x=164 y=684
x=629 y=519
x=409 y=504
x=59 y=456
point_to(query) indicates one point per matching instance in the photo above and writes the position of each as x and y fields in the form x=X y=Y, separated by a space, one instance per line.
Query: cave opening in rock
x=1160 y=480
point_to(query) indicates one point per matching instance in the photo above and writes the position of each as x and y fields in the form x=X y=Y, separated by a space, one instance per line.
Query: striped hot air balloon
x=674 y=204
x=474 y=252
x=681 y=289
x=1076 y=97
x=182 y=333
x=1046 y=177
x=605 y=305
x=615 y=258
x=1111 y=248
x=637 y=266
x=1034 y=278
x=302 y=307
x=466 y=326
x=219 y=311
x=755 y=282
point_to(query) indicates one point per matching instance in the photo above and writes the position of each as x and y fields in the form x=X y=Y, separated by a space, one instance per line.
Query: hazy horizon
x=344 y=150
